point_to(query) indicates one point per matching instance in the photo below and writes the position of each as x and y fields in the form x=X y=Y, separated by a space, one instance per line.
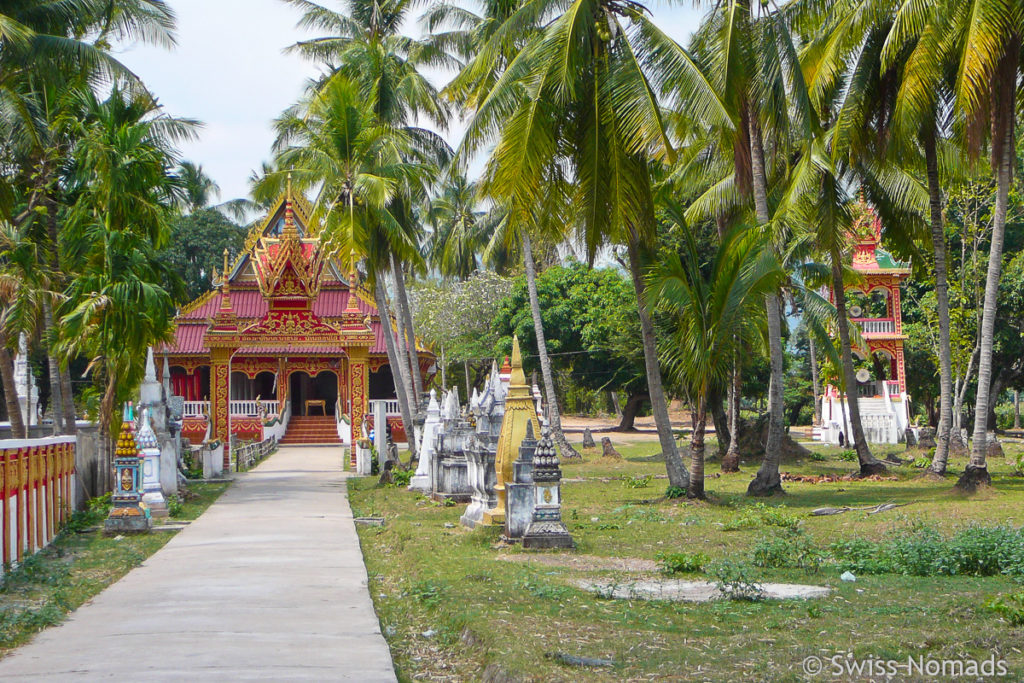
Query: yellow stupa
x=519 y=412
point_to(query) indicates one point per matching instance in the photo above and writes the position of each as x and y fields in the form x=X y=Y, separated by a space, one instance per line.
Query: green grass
x=486 y=611
x=77 y=566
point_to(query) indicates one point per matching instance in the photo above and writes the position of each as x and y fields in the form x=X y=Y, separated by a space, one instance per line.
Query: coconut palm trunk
x=768 y=480
x=403 y=358
x=815 y=381
x=401 y=377
x=66 y=395
x=731 y=459
x=868 y=464
x=941 y=457
x=677 y=473
x=554 y=414
x=56 y=400
x=11 y=391
x=696 y=488
x=976 y=471
x=405 y=310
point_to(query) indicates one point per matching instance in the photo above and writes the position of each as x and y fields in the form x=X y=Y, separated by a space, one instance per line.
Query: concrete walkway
x=268 y=584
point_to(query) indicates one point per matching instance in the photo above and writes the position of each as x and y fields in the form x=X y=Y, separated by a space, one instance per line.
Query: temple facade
x=284 y=344
x=873 y=304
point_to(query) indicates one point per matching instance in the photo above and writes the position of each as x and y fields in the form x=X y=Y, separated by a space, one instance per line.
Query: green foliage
x=922 y=461
x=733 y=580
x=637 y=482
x=920 y=550
x=459 y=315
x=817 y=456
x=682 y=563
x=428 y=593
x=760 y=515
x=197 y=245
x=401 y=478
x=675 y=492
x=174 y=506
x=1009 y=606
x=96 y=510
x=589 y=312
x=847 y=455
x=788 y=549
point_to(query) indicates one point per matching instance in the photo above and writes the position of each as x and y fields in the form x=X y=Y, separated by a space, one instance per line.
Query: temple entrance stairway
x=311 y=429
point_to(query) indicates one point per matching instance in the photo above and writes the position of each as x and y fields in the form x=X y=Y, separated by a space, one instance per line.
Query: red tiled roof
x=332 y=302
x=189 y=339
x=249 y=303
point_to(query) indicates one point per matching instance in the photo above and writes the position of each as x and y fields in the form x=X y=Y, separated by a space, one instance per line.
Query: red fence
x=36 y=491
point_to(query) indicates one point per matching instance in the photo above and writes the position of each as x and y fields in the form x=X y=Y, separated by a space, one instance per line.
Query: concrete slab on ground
x=269 y=584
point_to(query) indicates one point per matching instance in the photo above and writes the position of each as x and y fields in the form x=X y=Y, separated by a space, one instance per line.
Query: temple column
x=901 y=371
x=358 y=388
x=219 y=402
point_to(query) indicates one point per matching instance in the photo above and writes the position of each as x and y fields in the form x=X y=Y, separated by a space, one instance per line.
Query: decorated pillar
x=358 y=388
x=219 y=401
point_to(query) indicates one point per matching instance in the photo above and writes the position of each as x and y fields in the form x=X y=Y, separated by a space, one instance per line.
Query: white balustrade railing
x=196 y=408
x=253 y=407
x=892 y=387
x=391 y=408
x=874 y=326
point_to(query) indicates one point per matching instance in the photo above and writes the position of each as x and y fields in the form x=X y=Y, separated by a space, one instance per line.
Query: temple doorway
x=313 y=395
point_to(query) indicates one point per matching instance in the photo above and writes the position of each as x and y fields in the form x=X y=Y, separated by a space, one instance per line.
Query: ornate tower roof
x=868 y=254
x=287 y=265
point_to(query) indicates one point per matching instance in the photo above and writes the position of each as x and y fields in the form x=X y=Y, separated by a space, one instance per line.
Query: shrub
x=817 y=456
x=401 y=478
x=637 y=482
x=921 y=550
x=922 y=461
x=849 y=455
x=733 y=581
x=789 y=549
x=675 y=492
x=1010 y=607
x=681 y=563
x=759 y=515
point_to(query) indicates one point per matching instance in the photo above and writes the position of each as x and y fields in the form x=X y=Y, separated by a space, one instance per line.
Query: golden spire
x=289 y=215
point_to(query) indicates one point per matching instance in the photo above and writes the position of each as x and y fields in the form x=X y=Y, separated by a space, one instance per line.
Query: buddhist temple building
x=284 y=344
x=873 y=304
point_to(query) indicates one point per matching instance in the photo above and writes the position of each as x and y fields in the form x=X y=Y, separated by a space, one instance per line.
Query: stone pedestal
x=519 y=513
x=547 y=530
x=480 y=462
x=427 y=446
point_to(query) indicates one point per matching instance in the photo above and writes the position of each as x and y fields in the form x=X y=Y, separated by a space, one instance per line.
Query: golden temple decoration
x=520 y=411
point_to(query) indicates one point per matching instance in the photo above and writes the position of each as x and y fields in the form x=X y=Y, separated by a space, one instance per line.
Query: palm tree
x=23 y=287
x=199 y=187
x=366 y=48
x=122 y=297
x=583 y=98
x=750 y=57
x=333 y=141
x=817 y=197
x=716 y=312
x=863 y=60
x=978 y=41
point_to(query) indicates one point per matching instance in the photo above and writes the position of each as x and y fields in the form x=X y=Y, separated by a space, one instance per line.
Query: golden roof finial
x=517 y=378
x=289 y=215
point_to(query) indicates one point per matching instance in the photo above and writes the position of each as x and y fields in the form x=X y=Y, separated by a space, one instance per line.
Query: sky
x=229 y=71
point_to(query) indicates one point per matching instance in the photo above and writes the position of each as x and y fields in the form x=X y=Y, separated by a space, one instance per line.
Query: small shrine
x=287 y=344
x=129 y=513
x=873 y=304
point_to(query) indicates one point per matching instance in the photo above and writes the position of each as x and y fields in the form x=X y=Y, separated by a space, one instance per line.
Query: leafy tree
x=196 y=247
x=593 y=325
